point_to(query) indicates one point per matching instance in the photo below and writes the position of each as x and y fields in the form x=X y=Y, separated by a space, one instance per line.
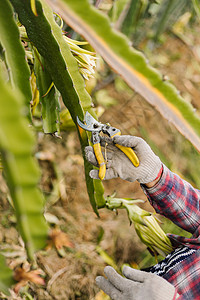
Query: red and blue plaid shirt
x=177 y=200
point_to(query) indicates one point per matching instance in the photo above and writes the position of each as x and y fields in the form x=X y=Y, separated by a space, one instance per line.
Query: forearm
x=176 y=199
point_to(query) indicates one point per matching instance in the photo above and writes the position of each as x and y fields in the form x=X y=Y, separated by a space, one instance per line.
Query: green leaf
x=22 y=172
x=47 y=37
x=99 y=193
x=6 y=276
x=117 y=9
x=129 y=24
x=14 y=51
x=94 y=187
x=80 y=94
x=130 y=64
x=49 y=99
x=196 y=5
x=168 y=14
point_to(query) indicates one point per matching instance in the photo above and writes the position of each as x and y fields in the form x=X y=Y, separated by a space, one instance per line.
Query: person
x=178 y=275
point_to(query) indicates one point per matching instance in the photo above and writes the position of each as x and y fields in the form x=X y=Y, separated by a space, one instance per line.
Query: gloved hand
x=119 y=165
x=138 y=285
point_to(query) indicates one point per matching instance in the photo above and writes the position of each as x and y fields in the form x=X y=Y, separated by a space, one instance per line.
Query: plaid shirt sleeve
x=177 y=200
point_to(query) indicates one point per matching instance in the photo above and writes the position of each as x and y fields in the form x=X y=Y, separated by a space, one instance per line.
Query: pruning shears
x=90 y=124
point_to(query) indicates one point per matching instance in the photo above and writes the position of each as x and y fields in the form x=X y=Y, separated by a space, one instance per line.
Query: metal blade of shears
x=89 y=120
x=90 y=123
x=84 y=126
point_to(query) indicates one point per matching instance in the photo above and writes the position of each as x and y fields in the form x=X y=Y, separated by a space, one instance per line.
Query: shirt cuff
x=163 y=186
x=159 y=194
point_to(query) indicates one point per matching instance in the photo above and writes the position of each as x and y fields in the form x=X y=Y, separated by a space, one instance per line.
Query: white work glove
x=137 y=285
x=119 y=165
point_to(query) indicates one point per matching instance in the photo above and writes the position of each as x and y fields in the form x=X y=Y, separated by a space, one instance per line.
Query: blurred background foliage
x=167 y=32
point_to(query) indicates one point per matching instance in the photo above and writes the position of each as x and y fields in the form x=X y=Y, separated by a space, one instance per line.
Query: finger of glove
x=135 y=275
x=108 y=288
x=90 y=156
x=110 y=173
x=130 y=141
x=117 y=280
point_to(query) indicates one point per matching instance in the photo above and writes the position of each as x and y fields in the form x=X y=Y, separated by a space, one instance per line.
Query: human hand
x=119 y=165
x=137 y=285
